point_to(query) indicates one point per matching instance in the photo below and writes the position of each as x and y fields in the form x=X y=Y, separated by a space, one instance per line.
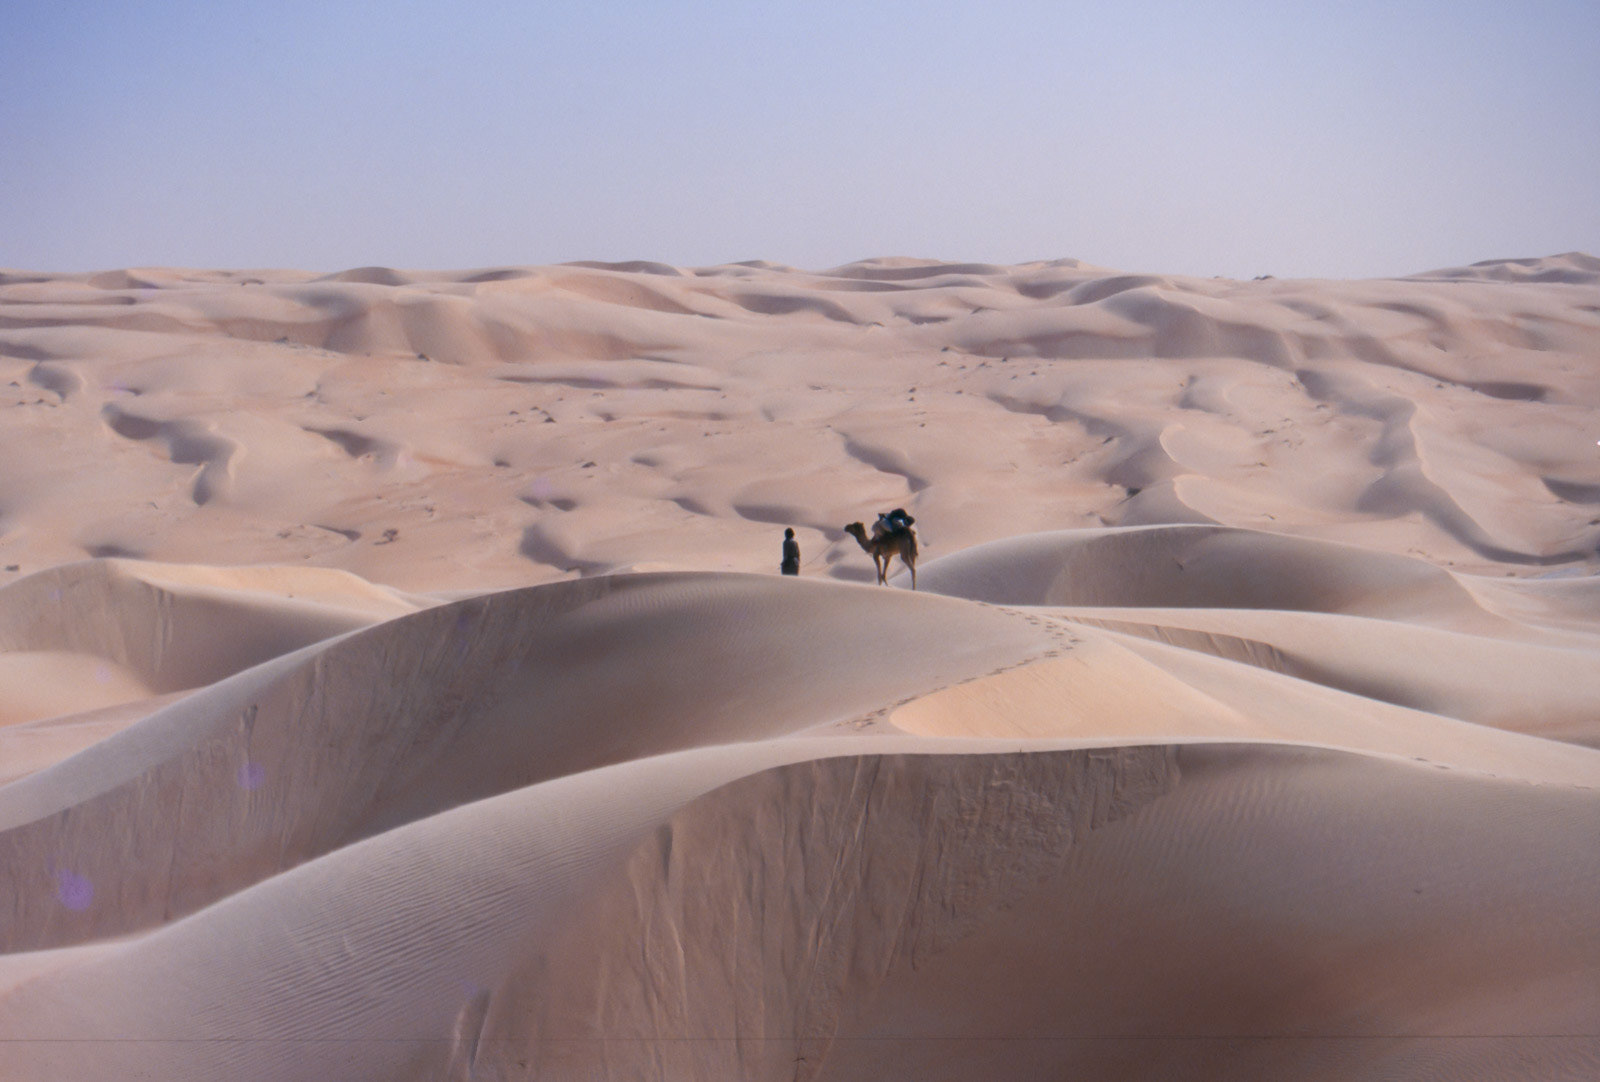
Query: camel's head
x=856 y=530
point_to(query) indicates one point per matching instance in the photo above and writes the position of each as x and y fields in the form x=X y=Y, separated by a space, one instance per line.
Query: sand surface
x=396 y=681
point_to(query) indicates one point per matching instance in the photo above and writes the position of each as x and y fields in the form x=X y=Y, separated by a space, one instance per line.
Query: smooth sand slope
x=396 y=683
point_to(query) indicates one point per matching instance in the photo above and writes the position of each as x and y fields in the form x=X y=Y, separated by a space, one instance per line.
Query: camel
x=882 y=549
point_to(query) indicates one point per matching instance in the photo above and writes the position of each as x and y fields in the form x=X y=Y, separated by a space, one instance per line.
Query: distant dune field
x=396 y=681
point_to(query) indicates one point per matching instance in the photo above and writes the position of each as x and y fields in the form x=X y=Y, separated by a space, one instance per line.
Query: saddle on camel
x=894 y=534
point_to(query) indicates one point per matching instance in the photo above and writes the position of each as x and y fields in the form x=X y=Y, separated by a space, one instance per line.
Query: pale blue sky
x=1228 y=137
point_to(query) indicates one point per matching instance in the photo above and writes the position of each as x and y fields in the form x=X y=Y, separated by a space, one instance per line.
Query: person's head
x=788 y=533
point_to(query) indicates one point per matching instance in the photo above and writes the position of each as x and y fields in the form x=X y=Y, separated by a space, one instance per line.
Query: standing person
x=791 y=553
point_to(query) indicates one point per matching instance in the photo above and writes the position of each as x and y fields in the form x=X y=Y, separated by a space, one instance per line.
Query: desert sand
x=396 y=681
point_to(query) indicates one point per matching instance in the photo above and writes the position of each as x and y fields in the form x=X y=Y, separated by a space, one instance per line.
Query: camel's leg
x=882 y=567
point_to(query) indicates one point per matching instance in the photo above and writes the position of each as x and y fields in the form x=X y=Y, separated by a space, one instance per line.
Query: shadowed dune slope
x=180 y=627
x=329 y=744
x=869 y=916
x=1547 y=688
x=1201 y=567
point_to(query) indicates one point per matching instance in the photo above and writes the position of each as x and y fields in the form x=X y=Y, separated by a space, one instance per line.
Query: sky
x=1298 y=139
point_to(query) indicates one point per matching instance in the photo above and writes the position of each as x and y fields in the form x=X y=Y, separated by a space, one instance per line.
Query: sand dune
x=395 y=680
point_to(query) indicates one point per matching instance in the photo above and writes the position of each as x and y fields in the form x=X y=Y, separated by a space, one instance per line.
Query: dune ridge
x=395 y=680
